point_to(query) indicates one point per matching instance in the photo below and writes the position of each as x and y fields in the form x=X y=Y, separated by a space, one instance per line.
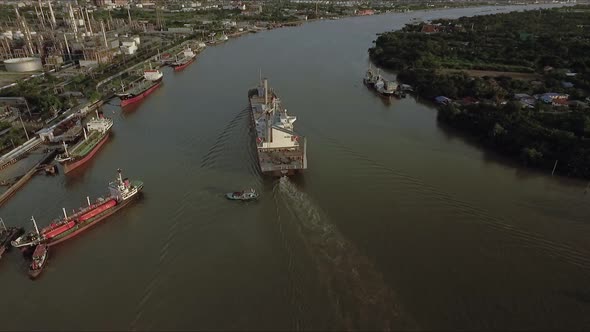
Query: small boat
x=8 y=234
x=246 y=195
x=40 y=257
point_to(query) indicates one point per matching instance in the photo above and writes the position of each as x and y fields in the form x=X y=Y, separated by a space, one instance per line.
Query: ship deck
x=140 y=86
x=276 y=159
x=85 y=146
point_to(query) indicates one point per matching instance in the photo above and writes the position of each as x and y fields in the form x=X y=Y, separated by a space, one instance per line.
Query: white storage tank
x=23 y=64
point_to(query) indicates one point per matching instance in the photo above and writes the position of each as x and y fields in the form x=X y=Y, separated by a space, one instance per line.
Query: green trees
x=524 y=42
x=519 y=41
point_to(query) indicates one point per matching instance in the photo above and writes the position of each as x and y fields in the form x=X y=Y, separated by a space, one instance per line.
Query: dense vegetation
x=544 y=46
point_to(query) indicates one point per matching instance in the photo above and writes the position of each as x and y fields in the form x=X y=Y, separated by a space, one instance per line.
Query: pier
x=26 y=177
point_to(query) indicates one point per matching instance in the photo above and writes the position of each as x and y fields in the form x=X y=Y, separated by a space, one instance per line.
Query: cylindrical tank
x=23 y=64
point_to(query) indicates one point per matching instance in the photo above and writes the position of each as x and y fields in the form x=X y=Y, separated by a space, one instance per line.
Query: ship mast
x=3 y=224
x=88 y=200
x=65 y=214
x=35 y=224
x=85 y=135
x=120 y=178
x=66 y=149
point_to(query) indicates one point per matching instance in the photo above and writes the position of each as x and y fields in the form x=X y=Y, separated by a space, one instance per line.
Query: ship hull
x=90 y=222
x=184 y=65
x=138 y=97
x=70 y=166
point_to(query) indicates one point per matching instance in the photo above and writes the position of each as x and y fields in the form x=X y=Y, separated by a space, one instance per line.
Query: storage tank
x=23 y=64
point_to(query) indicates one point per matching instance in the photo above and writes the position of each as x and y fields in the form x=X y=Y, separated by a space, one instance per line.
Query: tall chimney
x=51 y=11
x=104 y=35
x=42 y=12
x=88 y=18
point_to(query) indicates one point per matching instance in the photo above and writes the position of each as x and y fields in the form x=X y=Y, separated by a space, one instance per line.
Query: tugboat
x=245 y=195
x=121 y=192
x=40 y=257
x=8 y=234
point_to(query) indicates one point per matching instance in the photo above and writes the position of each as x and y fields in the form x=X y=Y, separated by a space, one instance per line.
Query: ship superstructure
x=281 y=151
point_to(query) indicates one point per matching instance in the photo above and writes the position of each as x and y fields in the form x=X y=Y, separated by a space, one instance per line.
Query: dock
x=26 y=177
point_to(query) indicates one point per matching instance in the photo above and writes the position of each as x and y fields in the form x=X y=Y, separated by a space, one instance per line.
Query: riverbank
x=535 y=113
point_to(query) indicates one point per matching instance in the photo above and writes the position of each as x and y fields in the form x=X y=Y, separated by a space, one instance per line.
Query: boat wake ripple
x=233 y=150
x=393 y=178
x=360 y=297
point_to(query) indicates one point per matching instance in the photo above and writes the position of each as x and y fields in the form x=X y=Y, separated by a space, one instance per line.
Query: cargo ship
x=280 y=150
x=187 y=58
x=8 y=234
x=151 y=80
x=96 y=134
x=121 y=193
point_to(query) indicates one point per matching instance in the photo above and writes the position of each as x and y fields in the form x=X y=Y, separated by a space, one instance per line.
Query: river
x=399 y=223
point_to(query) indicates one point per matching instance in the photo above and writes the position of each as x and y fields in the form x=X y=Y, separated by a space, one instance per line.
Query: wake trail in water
x=401 y=182
x=360 y=297
x=234 y=149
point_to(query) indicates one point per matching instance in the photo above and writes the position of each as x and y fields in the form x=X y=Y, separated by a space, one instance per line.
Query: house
x=469 y=101
x=554 y=98
x=442 y=100
x=567 y=85
x=365 y=12
x=560 y=102
x=431 y=28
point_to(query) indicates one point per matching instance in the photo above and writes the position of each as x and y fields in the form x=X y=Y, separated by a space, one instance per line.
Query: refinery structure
x=53 y=33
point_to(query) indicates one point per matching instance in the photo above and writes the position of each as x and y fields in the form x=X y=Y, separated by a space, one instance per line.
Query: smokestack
x=68 y=48
x=42 y=14
x=88 y=18
x=104 y=35
x=265 y=91
x=129 y=14
x=73 y=22
x=52 y=16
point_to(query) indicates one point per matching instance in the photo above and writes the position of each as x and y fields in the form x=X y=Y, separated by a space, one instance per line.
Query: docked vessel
x=371 y=78
x=387 y=88
x=151 y=80
x=280 y=150
x=39 y=260
x=121 y=192
x=8 y=234
x=188 y=57
x=96 y=134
